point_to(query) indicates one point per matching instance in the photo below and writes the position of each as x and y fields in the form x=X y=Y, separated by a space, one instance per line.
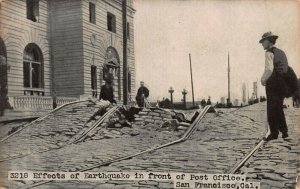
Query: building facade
x=62 y=50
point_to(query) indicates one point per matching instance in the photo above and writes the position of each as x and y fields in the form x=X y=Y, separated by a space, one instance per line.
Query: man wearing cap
x=276 y=65
x=142 y=93
x=107 y=92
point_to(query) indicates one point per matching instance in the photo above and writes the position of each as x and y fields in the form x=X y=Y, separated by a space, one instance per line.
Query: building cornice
x=119 y=2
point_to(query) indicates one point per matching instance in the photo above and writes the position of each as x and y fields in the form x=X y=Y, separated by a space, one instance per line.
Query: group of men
x=107 y=93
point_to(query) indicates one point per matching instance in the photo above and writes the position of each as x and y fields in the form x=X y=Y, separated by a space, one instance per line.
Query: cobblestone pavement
x=276 y=164
x=114 y=142
x=217 y=144
x=215 y=147
x=57 y=128
x=5 y=128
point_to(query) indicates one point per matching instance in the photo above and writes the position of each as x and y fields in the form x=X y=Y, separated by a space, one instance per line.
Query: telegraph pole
x=125 y=71
x=228 y=100
x=192 y=80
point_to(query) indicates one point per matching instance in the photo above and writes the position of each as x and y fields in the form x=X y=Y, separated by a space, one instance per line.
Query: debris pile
x=160 y=119
x=130 y=121
x=113 y=126
x=152 y=116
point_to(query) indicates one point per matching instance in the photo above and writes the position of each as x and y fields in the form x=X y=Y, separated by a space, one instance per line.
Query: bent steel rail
x=187 y=134
x=241 y=163
x=72 y=140
x=39 y=119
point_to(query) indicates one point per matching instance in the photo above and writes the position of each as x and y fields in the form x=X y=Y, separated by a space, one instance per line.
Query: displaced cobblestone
x=210 y=150
x=219 y=142
x=6 y=128
x=51 y=132
x=277 y=163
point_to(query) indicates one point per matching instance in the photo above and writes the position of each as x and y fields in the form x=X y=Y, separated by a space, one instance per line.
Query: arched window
x=33 y=67
x=111 y=67
x=112 y=63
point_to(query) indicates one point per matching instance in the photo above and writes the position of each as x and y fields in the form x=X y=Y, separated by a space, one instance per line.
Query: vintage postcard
x=134 y=94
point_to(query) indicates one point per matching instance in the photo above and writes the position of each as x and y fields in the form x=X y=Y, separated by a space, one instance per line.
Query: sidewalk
x=12 y=115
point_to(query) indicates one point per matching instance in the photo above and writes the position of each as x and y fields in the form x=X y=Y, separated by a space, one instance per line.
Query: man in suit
x=276 y=65
x=142 y=93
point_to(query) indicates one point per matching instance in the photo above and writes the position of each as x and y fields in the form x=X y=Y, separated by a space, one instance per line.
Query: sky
x=166 y=31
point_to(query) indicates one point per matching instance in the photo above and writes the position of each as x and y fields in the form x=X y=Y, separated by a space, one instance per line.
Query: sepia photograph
x=149 y=94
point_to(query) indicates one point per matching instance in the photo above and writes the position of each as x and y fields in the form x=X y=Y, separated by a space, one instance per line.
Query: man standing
x=142 y=93
x=107 y=92
x=276 y=65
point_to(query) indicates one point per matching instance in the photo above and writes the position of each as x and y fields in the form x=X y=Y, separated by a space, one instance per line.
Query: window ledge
x=34 y=91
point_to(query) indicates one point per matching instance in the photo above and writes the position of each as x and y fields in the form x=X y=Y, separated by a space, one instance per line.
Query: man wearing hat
x=276 y=65
x=107 y=92
x=142 y=93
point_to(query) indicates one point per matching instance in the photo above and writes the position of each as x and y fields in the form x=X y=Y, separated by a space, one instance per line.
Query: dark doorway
x=94 y=81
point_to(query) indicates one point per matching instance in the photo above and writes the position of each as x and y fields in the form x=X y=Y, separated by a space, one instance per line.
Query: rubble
x=161 y=119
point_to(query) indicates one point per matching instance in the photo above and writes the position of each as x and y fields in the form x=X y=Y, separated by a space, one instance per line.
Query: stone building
x=62 y=49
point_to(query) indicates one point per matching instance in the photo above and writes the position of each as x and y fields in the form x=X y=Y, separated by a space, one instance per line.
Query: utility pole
x=248 y=92
x=228 y=100
x=125 y=70
x=192 y=80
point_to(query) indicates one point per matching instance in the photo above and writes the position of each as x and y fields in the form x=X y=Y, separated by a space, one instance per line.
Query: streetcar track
x=241 y=163
x=186 y=136
x=71 y=140
x=95 y=125
x=40 y=119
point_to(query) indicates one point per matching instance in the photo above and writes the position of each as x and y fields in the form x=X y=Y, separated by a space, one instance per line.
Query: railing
x=32 y=102
x=37 y=102
x=64 y=100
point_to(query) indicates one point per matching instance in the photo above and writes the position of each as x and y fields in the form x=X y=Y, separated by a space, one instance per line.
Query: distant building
x=244 y=93
x=62 y=48
x=236 y=102
x=255 y=89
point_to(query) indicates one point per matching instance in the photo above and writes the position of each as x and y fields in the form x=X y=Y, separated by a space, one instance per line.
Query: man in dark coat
x=276 y=65
x=142 y=93
x=107 y=92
